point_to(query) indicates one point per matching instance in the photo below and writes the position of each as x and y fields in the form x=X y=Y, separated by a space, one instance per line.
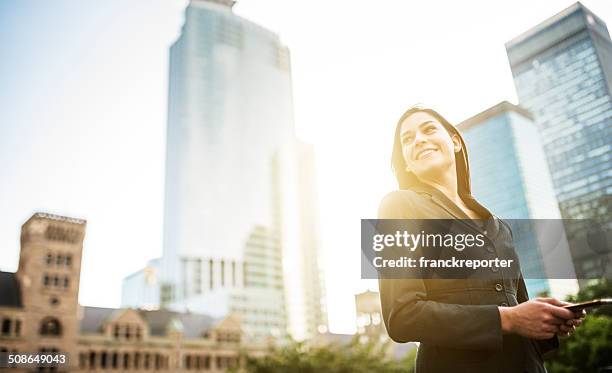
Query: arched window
x=50 y=326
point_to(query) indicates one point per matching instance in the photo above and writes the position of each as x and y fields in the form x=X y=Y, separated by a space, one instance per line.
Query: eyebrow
x=403 y=135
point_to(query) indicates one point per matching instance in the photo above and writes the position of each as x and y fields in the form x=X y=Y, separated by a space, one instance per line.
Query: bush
x=354 y=357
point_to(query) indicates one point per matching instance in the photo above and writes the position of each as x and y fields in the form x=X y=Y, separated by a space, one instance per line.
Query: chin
x=431 y=168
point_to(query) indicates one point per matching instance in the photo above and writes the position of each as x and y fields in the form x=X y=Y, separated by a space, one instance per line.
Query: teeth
x=424 y=153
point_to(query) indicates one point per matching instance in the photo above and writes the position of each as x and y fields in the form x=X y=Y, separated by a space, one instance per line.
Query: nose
x=419 y=138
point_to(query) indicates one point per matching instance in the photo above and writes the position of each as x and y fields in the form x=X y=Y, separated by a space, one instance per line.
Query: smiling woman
x=464 y=324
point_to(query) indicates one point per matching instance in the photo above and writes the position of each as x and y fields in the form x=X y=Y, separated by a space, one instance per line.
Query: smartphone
x=576 y=307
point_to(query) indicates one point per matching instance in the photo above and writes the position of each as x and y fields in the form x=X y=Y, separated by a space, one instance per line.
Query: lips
x=424 y=153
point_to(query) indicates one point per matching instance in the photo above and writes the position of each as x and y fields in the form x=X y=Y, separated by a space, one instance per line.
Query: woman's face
x=427 y=147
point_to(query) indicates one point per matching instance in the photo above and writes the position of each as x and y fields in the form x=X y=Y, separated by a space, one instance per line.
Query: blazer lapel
x=491 y=225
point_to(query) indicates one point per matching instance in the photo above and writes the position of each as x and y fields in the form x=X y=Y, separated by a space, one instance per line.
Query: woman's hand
x=540 y=318
x=570 y=325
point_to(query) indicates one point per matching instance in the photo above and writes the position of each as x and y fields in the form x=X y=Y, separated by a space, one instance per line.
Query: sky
x=83 y=96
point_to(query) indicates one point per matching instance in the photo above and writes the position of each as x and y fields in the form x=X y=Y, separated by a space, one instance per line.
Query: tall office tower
x=562 y=70
x=230 y=110
x=510 y=177
x=295 y=219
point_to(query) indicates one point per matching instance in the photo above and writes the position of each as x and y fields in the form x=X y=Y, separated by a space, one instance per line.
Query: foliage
x=353 y=357
x=589 y=348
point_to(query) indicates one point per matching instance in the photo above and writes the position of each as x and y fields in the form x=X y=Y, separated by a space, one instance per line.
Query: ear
x=456 y=143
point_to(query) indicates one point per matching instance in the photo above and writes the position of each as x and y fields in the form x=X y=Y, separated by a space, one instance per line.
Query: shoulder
x=398 y=204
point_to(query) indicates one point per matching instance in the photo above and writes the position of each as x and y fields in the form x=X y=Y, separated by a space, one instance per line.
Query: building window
x=220 y=362
x=92 y=359
x=46 y=280
x=59 y=259
x=103 y=358
x=49 y=259
x=115 y=360
x=82 y=360
x=233 y=273
x=137 y=360
x=50 y=326
x=66 y=282
x=207 y=362
x=222 y=272
x=126 y=360
x=68 y=260
x=210 y=274
x=6 y=326
x=116 y=332
x=138 y=333
x=55 y=280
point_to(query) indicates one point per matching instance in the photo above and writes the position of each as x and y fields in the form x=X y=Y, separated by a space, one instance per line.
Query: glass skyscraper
x=562 y=70
x=510 y=177
x=230 y=114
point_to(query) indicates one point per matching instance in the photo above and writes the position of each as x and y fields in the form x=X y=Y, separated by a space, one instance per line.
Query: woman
x=469 y=324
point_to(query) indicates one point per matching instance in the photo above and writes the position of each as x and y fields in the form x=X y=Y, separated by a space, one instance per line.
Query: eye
x=407 y=139
x=430 y=129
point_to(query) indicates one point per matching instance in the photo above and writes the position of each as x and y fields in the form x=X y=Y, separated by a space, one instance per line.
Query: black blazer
x=457 y=321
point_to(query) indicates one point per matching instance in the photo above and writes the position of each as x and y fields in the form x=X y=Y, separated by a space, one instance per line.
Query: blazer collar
x=491 y=223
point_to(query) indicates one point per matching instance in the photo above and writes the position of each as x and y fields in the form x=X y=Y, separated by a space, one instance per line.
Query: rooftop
x=229 y=3
x=491 y=112
x=194 y=325
x=550 y=21
x=44 y=215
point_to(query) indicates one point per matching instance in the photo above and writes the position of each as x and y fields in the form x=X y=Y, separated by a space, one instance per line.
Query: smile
x=424 y=153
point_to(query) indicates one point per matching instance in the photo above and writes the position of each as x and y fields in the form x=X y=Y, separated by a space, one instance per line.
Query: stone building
x=39 y=312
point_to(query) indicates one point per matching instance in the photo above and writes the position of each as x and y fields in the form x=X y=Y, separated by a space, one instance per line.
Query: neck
x=445 y=182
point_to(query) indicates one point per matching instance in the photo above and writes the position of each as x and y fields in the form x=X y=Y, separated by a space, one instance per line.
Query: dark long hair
x=407 y=179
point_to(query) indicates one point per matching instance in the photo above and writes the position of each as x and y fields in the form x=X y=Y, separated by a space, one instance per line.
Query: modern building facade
x=141 y=289
x=510 y=177
x=229 y=108
x=39 y=311
x=562 y=70
x=296 y=221
x=239 y=234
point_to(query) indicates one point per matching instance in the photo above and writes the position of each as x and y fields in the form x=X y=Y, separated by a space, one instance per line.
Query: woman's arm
x=409 y=315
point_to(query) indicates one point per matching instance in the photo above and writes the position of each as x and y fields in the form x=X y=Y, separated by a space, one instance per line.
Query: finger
x=565 y=328
x=553 y=301
x=550 y=328
x=555 y=321
x=570 y=322
x=577 y=322
x=545 y=300
x=561 y=312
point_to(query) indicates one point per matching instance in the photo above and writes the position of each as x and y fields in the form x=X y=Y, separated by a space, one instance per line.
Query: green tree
x=589 y=348
x=354 y=357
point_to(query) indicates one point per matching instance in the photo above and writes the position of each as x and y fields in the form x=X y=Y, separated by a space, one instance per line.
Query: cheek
x=406 y=153
x=444 y=143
